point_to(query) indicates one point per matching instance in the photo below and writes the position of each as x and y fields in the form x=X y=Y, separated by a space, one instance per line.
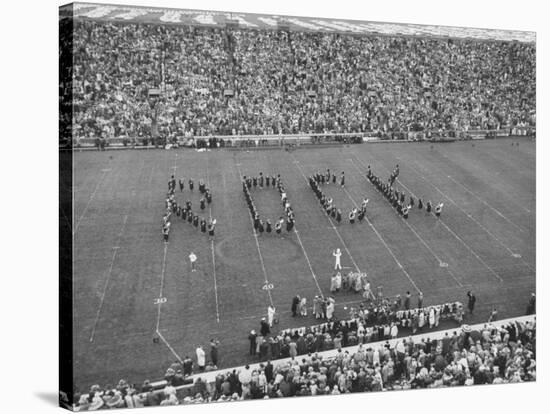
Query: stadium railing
x=296 y=140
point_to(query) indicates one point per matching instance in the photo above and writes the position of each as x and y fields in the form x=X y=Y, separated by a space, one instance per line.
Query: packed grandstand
x=235 y=80
x=146 y=81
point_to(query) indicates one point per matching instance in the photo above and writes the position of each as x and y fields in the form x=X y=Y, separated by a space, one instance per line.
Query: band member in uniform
x=202 y=203
x=203 y=225
x=420 y=205
x=191 y=184
x=338 y=216
x=267 y=224
x=166 y=231
x=190 y=216
x=181 y=185
x=278 y=225
x=342 y=179
x=352 y=215
x=411 y=201
x=184 y=213
x=211 y=227
x=261 y=226
x=429 y=206
x=208 y=196
x=438 y=209
x=202 y=187
x=256 y=222
x=361 y=214
x=255 y=181
x=172 y=184
x=289 y=224
x=405 y=212
x=178 y=211
x=195 y=220
x=364 y=203
x=261 y=180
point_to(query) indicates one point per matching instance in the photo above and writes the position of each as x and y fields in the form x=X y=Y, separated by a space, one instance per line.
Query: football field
x=130 y=287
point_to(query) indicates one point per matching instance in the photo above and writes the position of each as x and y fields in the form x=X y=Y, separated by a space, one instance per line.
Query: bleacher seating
x=292 y=82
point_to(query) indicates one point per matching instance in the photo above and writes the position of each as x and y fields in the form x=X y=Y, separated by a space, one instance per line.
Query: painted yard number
x=158 y=301
x=267 y=286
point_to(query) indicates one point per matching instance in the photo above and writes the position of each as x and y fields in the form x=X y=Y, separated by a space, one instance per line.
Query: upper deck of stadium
x=153 y=15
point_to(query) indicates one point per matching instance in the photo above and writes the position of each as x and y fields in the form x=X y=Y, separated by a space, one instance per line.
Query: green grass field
x=486 y=236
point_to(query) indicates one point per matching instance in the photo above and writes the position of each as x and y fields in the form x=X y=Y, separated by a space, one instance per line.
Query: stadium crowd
x=214 y=81
x=493 y=354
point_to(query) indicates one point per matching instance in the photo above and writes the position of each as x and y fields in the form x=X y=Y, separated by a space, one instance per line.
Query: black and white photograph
x=271 y=203
x=275 y=206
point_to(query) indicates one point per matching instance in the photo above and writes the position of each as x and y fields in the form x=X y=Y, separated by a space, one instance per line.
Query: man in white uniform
x=192 y=259
x=337 y=254
x=270 y=315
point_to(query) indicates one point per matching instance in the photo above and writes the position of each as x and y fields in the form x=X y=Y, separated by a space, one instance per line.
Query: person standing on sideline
x=264 y=327
x=187 y=366
x=420 y=300
x=192 y=260
x=532 y=306
x=270 y=315
x=295 y=304
x=201 y=358
x=303 y=306
x=252 y=340
x=214 y=351
x=471 y=301
x=493 y=315
x=337 y=254
x=408 y=300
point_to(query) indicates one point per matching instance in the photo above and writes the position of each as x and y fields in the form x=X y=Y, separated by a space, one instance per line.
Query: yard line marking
x=103 y=174
x=497 y=173
x=307 y=259
x=439 y=260
x=108 y=279
x=455 y=235
x=175 y=167
x=257 y=244
x=169 y=347
x=212 y=247
x=512 y=253
x=296 y=162
x=161 y=291
x=390 y=251
x=150 y=185
x=487 y=204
